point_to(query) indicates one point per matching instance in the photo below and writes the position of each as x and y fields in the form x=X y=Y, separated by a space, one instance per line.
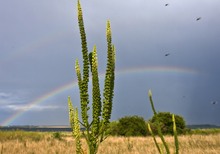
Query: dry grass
x=196 y=144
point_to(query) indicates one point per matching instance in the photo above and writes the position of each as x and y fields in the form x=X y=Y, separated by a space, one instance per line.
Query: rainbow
x=68 y=86
x=38 y=100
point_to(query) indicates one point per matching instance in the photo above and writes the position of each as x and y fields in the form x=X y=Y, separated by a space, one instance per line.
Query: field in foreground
x=19 y=142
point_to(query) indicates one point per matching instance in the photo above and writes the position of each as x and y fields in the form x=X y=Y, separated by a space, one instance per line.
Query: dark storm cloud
x=40 y=42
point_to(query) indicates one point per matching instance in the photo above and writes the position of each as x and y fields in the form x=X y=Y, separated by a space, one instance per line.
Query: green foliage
x=204 y=131
x=57 y=135
x=129 y=126
x=20 y=135
x=166 y=123
x=113 y=128
x=96 y=130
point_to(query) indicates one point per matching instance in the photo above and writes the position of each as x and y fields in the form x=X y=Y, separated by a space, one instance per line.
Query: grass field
x=21 y=142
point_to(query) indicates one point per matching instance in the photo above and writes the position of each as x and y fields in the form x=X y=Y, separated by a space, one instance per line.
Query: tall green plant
x=175 y=135
x=96 y=130
x=165 y=145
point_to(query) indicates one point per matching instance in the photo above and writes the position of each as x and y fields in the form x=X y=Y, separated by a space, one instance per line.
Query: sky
x=162 y=48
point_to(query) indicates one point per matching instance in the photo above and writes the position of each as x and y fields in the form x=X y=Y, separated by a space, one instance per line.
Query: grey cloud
x=4 y=95
x=41 y=41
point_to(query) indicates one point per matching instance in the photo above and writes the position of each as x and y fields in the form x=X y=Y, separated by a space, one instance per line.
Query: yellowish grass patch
x=196 y=144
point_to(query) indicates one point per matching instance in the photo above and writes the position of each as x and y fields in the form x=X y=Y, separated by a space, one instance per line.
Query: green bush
x=113 y=128
x=57 y=135
x=129 y=126
x=166 y=123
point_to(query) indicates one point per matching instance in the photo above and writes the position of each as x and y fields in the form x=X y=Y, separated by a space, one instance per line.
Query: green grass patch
x=21 y=135
x=205 y=131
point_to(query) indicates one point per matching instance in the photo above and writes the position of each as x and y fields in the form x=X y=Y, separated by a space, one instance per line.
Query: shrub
x=57 y=135
x=113 y=128
x=166 y=123
x=129 y=126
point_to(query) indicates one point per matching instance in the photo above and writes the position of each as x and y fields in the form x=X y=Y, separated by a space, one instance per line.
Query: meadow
x=23 y=142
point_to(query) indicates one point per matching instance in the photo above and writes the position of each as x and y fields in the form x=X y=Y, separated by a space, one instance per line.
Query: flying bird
x=197 y=19
x=214 y=102
x=167 y=54
x=166 y=4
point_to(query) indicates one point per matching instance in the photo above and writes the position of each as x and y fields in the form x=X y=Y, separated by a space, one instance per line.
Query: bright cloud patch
x=4 y=95
x=25 y=108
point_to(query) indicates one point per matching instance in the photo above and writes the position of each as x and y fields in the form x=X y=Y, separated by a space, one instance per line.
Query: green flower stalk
x=151 y=102
x=158 y=124
x=75 y=125
x=155 y=141
x=71 y=113
x=158 y=127
x=109 y=77
x=77 y=132
x=96 y=130
x=78 y=73
x=97 y=104
x=84 y=83
x=175 y=135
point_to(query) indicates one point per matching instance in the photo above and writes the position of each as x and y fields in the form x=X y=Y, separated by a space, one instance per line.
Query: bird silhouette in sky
x=197 y=19
x=166 y=4
x=214 y=102
x=167 y=54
